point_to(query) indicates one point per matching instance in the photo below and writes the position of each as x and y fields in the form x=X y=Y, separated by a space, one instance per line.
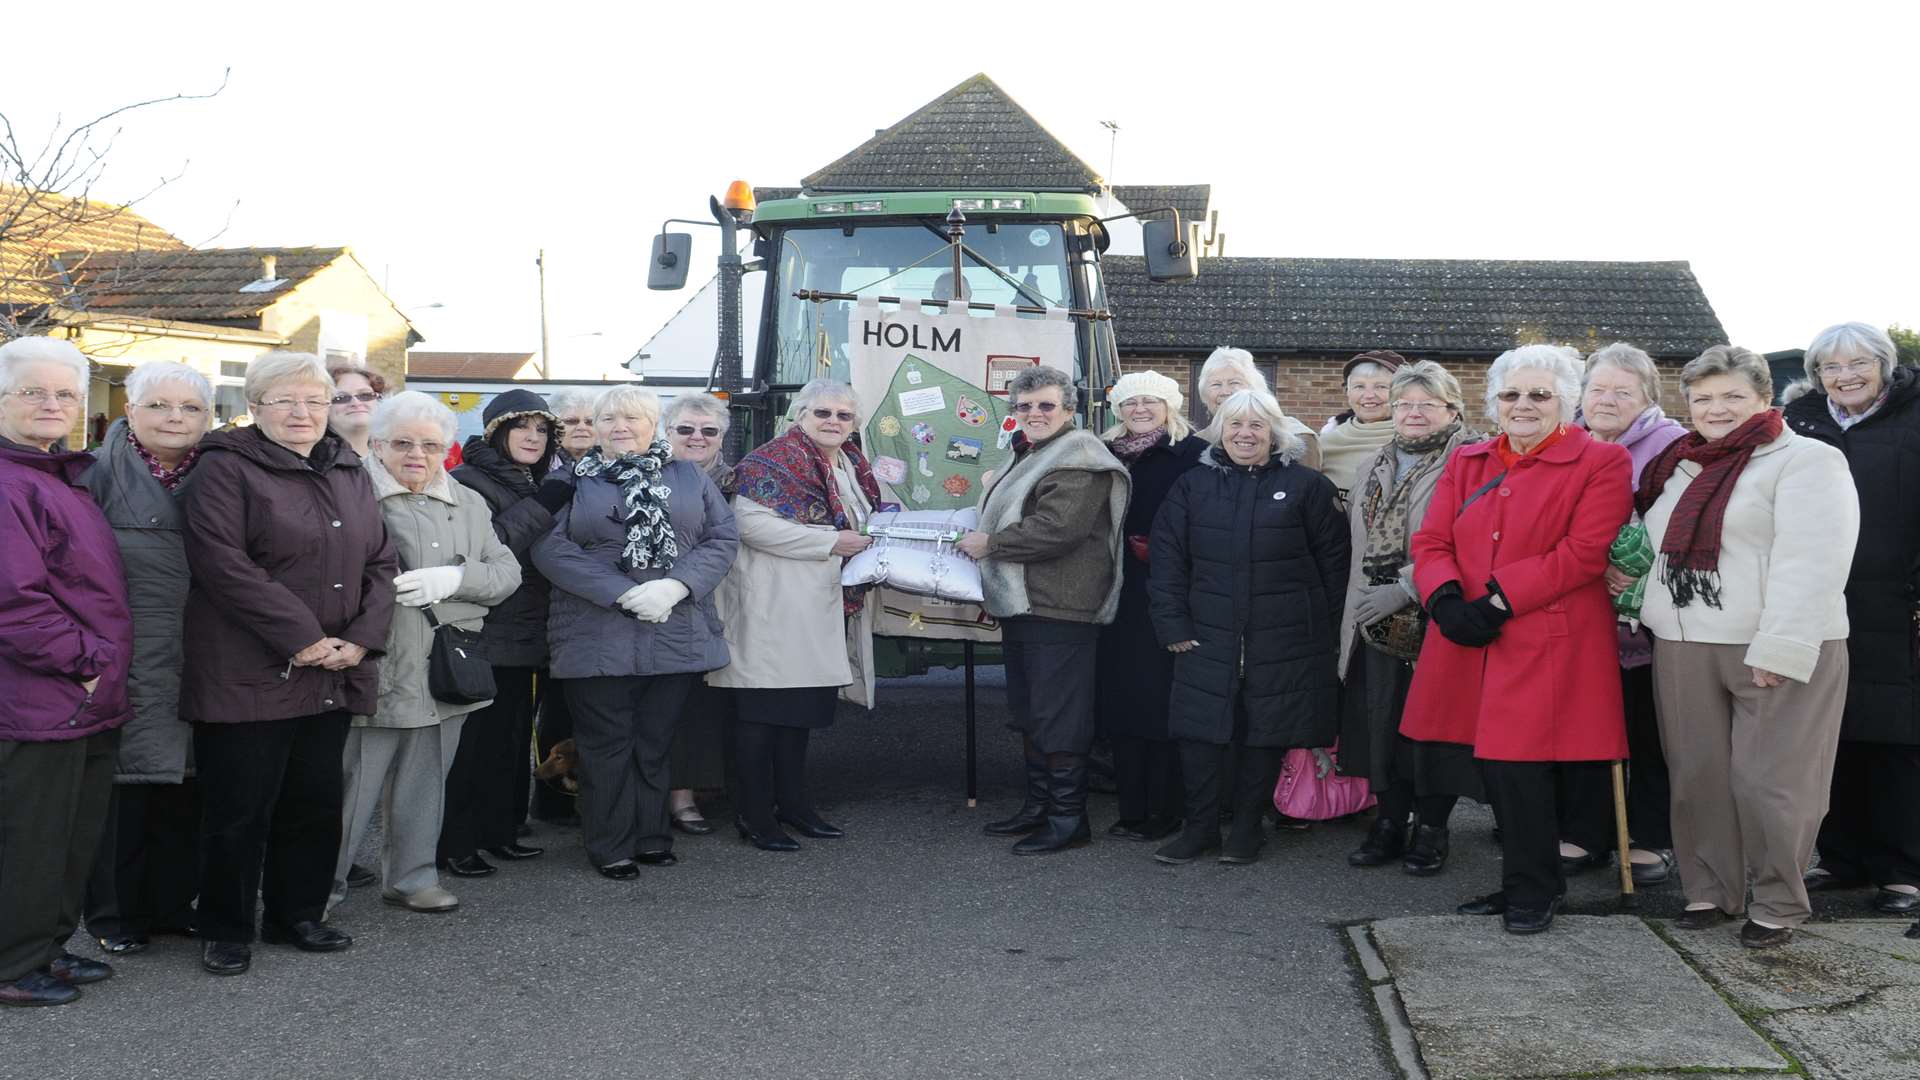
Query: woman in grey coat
x=633 y=561
x=453 y=566
x=144 y=877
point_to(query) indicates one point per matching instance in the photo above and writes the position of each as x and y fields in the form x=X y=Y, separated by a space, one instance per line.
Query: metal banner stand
x=973 y=757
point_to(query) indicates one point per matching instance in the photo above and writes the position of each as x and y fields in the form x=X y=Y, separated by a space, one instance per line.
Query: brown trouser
x=1750 y=769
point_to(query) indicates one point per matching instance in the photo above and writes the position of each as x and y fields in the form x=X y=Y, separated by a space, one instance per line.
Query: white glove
x=1324 y=760
x=653 y=601
x=418 y=588
x=1376 y=602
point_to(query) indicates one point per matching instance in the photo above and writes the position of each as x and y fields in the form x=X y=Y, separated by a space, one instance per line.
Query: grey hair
x=699 y=405
x=153 y=373
x=1795 y=390
x=569 y=400
x=1730 y=360
x=1370 y=367
x=1437 y=381
x=1850 y=341
x=1253 y=403
x=1561 y=362
x=1236 y=359
x=820 y=390
x=270 y=369
x=644 y=403
x=1039 y=377
x=411 y=406
x=20 y=352
x=1633 y=361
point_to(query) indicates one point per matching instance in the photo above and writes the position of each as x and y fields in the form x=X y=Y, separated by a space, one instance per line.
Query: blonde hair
x=1252 y=403
x=644 y=403
x=271 y=369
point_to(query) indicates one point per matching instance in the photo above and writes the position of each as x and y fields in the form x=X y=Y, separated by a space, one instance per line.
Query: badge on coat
x=1278 y=495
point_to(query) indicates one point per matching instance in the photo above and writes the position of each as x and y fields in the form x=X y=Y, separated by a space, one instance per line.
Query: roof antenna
x=1113 y=145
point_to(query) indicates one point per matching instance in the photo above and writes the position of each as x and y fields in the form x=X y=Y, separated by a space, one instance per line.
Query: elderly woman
x=573 y=416
x=1755 y=528
x=795 y=635
x=1869 y=407
x=509 y=464
x=1228 y=371
x=634 y=560
x=453 y=570
x=696 y=427
x=66 y=644
x=292 y=594
x=1351 y=441
x=1049 y=546
x=1509 y=560
x=1248 y=564
x=1381 y=628
x=143 y=877
x=1156 y=444
x=355 y=392
x=1620 y=403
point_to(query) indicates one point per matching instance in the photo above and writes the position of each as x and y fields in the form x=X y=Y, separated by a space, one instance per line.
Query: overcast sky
x=1774 y=151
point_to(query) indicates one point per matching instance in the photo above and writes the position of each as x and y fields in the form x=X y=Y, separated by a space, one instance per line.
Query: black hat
x=513 y=405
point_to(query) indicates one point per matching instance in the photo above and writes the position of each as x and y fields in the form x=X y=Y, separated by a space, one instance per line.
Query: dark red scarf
x=1690 y=550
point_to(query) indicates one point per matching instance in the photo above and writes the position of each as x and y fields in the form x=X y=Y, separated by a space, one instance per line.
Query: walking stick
x=1628 y=901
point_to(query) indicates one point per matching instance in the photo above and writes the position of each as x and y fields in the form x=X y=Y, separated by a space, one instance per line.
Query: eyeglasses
x=841 y=415
x=1428 y=407
x=576 y=421
x=1536 y=395
x=1030 y=406
x=312 y=405
x=38 y=395
x=157 y=409
x=1851 y=367
x=688 y=430
x=363 y=397
x=406 y=447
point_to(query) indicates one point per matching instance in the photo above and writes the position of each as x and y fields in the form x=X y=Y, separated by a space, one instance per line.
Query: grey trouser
x=405 y=770
x=1750 y=769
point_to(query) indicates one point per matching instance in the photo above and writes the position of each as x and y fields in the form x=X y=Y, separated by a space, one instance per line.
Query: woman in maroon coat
x=1510 y=559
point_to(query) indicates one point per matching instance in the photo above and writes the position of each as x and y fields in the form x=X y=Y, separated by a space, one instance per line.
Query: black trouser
x=550 y=802
x=1399 y=801
x=486 y=786
x=1585 y=804
x=270 y=793
x=53 y=808
x=148 y=867
x=623 y=727
x=1522 y=793
x=1245 y=775
x=770 y=760
x=1872 y=828
x=1050 y=682
x=1147 y=774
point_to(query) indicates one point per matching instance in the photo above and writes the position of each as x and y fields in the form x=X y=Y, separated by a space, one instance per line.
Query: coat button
x=338 y=585
x=153 y=521
x=1496 y=536
x=328 y=701
x=1504 y=492
x=337 y=524
x=436 y=543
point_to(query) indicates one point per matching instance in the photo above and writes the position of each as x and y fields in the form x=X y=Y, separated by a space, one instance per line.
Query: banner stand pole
x=972 y=744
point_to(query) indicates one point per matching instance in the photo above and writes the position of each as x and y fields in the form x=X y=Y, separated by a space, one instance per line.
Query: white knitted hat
x=1146 y=384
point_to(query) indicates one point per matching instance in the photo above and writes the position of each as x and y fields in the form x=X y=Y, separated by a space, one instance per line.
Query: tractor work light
x=739 y=197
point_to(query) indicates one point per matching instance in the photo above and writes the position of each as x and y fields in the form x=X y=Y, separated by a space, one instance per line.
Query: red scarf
x=1509 y=457
x=1690 y=550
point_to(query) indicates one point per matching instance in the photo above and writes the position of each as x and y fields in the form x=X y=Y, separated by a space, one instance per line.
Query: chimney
x=269 y=264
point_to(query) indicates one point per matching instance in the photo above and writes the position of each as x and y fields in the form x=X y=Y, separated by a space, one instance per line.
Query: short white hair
x=155 y=373
x=644 y=403
x=820 y=390
x=1633 y=361
x=1252 y=403
x=1560 y=361
x=570 y=400
x=271 y=369
x=699 y=405
x=20 y=352
x=409 y=407
x=1852 y=341
x=1231 y=359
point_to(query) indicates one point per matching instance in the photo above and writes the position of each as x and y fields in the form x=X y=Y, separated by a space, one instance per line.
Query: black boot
x=1033 y=811
x=1259 y=771
x=1384 y=843
x=1428 y=855
x=1200 y=768
x=1065 y=825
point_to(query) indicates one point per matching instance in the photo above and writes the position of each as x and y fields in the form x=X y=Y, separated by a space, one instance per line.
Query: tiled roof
x=1191 y=200
x=1435 y=306
x=467 y=365
x=769 y=194
x=197 y=286
x=34 y=226
x=972 y=136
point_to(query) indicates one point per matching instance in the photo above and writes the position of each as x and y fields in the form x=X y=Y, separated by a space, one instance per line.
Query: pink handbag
x=1303 y=793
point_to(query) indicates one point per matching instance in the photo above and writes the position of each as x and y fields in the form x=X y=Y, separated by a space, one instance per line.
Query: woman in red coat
x=1510 y=557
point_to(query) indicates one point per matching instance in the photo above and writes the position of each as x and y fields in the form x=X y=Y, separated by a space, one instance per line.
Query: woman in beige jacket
x=1755 y=528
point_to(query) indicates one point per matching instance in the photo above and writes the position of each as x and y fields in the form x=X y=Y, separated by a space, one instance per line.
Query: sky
x=1772 y=146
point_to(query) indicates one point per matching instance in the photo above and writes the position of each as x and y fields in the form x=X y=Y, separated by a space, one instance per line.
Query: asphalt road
x=916 y=947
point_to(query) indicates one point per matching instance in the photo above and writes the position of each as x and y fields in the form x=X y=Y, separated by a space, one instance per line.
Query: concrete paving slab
x=1873 y=1039
x=1887 y=936
x=1595 y=995
x=1823 y=967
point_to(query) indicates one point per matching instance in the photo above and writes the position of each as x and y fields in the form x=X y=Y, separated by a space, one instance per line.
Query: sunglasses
x=1029 y=406
x=1538 y=397
x=687 y=430
x=576 y=421
x=363 y=397
x=841 y=415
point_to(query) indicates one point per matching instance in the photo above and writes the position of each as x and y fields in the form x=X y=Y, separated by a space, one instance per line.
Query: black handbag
x=458 y=672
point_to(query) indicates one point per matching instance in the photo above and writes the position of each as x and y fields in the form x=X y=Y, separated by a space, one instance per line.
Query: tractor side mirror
x=672 y=258
x=1170 y=257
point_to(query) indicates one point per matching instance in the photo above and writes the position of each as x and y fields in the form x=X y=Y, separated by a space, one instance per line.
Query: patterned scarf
x=651 y=544
x=1690 y=550
x=168 y=478
x=1389 y=530
x=792 y=477
x=1129 y=445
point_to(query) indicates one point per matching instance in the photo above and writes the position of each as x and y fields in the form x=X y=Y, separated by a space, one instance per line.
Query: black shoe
x=306 y=936
x=690 y=822
x=226 y=957
x=1914 y=930
x=1494 y=903
x=1384 y=843
x=1577 y=864
x=77 y=970
x=1158 y=828
x=624 y=870
x=1653 y=873
x=1065 y=825
x=1824 y=881
x=811 y=827
x=1188 y=846
x=771 y=840
x=656 y=858
x=1428 y=855
x=38 y=988
x=1529 y=920
x=515 y=852
x=1895 y=902
x=1033 y=805
x=1241 y=849
x=1755 y=936
x=359 y=877
x=123 y=944
x=1701 y=918
x=1127 y=829
x=469 y=866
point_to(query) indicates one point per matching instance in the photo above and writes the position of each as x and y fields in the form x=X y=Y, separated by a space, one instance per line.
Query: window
x=232 y=369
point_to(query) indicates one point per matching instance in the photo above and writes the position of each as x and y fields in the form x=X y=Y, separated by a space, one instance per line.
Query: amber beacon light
x=739 y=197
